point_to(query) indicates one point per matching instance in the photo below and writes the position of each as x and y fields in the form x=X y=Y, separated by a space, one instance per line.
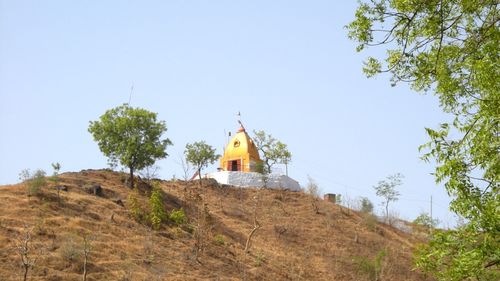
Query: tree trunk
x=249 y=239
x=199 y=175
x=131 y=178
x=84 y=278
x=26 y=272
x=387 y=211
x=85 y=269
x=268 y=167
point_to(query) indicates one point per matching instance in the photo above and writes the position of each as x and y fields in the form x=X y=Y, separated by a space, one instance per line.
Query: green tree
x=272 y=150
x=366 y=205
x=130 y=136
x=450 y=48
x=425 y=220
x=34 y=181
x=387 y=190
x=200 y=155
x=55 y=179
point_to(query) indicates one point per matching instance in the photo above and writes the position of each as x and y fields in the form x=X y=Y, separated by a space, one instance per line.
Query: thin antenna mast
x=131 y=91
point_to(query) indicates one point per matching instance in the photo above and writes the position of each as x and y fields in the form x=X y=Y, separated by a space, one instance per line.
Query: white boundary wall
x=243 y=179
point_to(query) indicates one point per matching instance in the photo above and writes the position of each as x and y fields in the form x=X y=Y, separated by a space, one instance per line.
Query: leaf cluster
x=130 y=136
x=387 y=188
x=272 y=150
x=157 y=214
x=200 y=154
x=450 y=48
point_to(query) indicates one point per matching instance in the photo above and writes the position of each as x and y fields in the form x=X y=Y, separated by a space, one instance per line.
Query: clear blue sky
x=286 y=65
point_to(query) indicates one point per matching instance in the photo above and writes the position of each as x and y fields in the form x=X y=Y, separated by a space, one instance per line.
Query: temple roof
x=241 y=144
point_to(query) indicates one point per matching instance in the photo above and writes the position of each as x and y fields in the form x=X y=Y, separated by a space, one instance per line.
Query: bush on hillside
x=371 y=268
x=34 y=181
x=178 y=217
x=134 y=205
x=366 y=205
x=158 y=214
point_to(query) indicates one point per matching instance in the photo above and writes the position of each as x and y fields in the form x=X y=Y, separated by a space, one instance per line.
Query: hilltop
x=294 y=241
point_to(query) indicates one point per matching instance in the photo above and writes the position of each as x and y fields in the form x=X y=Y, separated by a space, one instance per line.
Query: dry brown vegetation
x=293 y=242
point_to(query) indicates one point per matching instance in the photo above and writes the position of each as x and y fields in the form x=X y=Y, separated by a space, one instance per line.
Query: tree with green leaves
x=35 y=181
x=424 y=219
x=271 y=150
x=130 y=136
x=366 y=205
x=450 y=48
x=387 y=190
x=55 y=179
x=200 y=155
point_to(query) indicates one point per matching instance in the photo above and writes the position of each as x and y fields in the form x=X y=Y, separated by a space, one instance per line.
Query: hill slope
x=294 y=242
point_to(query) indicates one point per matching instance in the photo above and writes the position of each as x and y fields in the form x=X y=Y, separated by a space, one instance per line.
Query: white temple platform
x=244 y=179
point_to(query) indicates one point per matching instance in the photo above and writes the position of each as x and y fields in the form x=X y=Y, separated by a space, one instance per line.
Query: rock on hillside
x=294 y=242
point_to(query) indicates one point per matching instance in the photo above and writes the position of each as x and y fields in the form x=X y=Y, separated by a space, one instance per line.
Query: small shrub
x=371 y=268
x=189 y=228
x=366 y=205
x=148 y=249
x=260 y=258
x=219 y=239
x=178 y=217
x=70 y=250
x=157 y=215
x=370 y=221
x=34 y=181
x=425 y=220
x=134 y=206
x=312 y=188
x=393 y=218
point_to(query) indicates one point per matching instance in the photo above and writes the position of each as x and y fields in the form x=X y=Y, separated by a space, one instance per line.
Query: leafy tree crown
x=130 y=136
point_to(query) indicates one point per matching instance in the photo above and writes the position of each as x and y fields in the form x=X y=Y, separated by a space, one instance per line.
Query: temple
x=239 y=166
x=240 y=153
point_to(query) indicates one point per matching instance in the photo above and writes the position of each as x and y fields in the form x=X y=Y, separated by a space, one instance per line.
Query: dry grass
x=293 y=243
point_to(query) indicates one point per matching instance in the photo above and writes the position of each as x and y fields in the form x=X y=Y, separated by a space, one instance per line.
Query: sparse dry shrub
x=40 y=226
x=312 y=188
x=70 y=249
x=279 y=230
x=202 y=230
x=371 y=268
x=134 y=206
x=126 y=275
x=369 y=221
x=148 y=248
x=260 y=258
x=393 y=218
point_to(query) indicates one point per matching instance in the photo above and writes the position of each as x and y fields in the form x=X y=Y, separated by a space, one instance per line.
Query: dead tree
x=87 y=248
x=25 y=251
x=256 y=225
x=203 y=229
